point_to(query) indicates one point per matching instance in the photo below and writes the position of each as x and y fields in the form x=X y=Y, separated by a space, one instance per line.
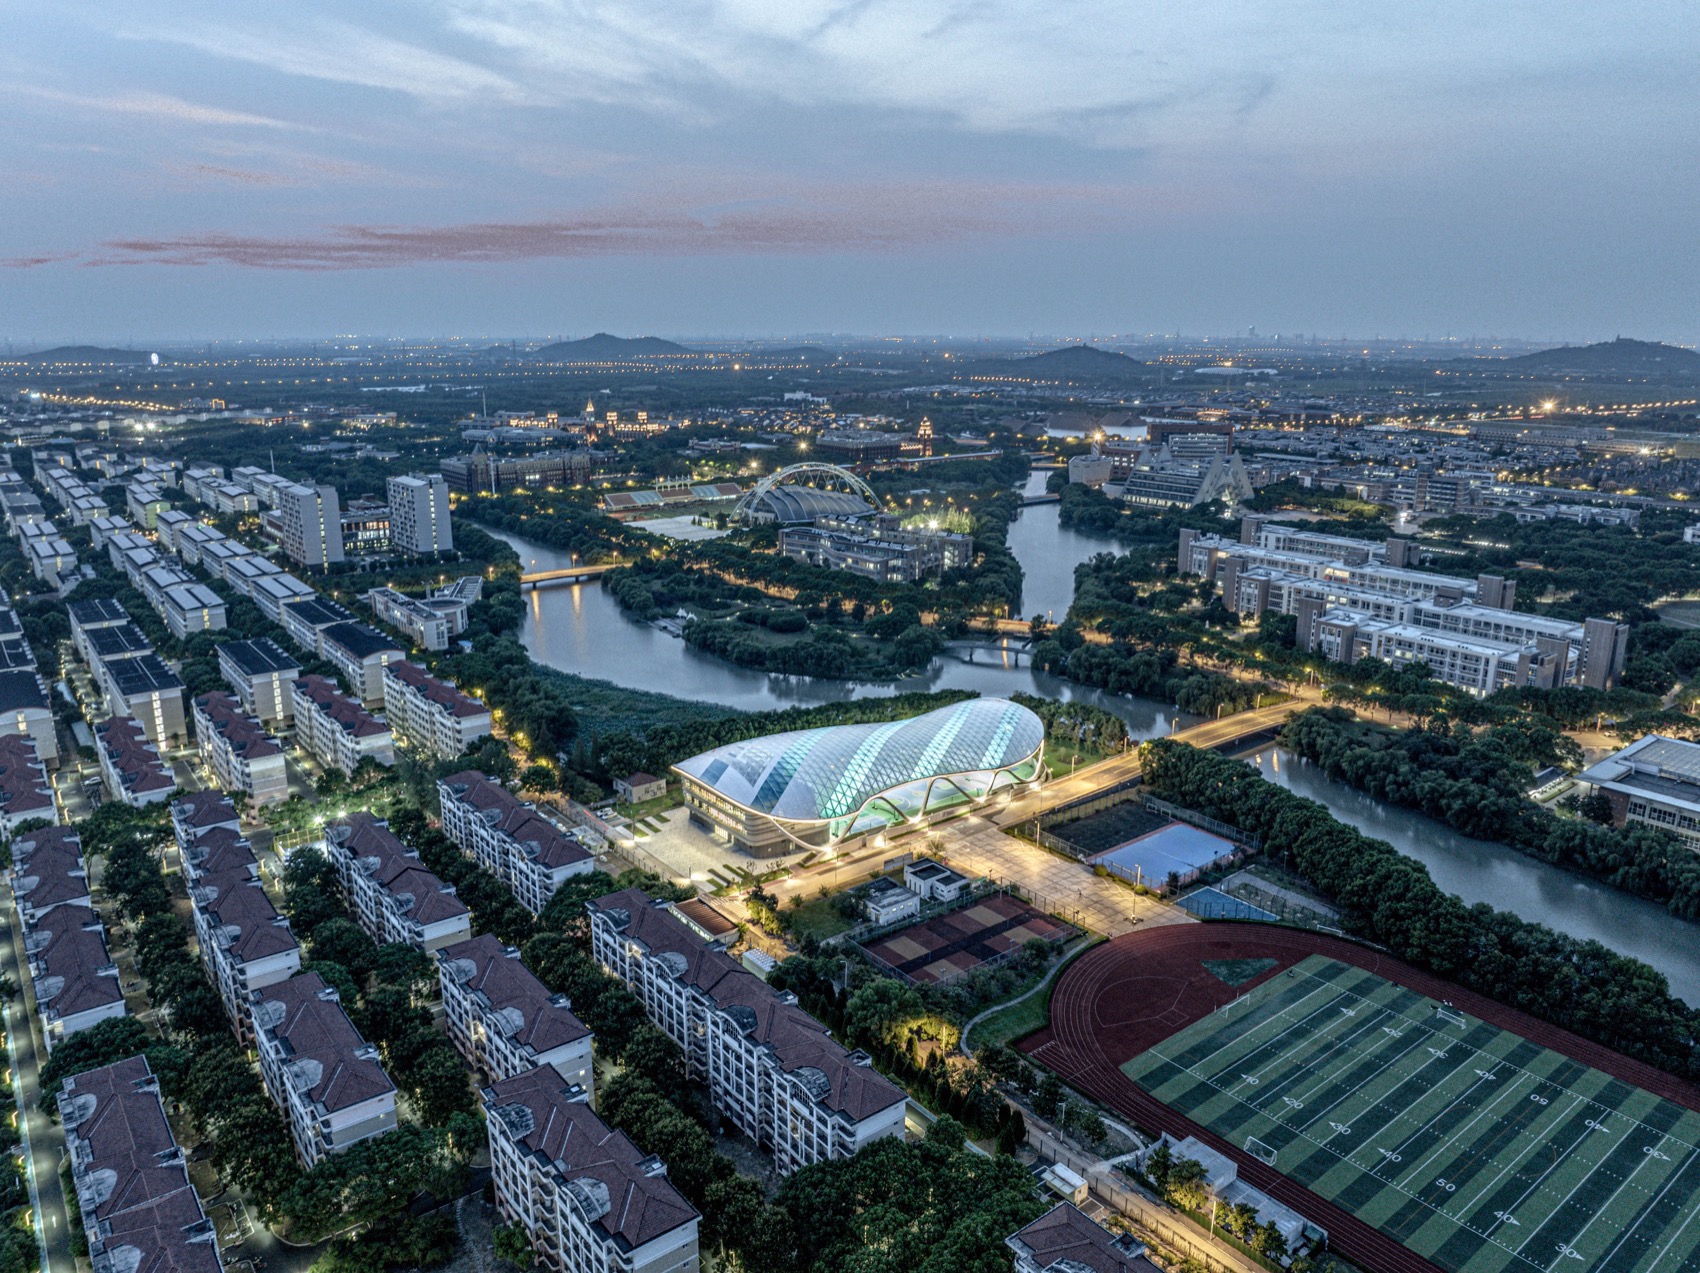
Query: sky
x=187 y=169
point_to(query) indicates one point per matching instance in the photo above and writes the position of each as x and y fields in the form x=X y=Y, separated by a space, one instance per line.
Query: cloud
x=156 y=106
x=845 y=220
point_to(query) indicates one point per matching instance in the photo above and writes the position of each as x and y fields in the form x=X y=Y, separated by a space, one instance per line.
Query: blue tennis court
x=1213 y=903
x=1176 y=850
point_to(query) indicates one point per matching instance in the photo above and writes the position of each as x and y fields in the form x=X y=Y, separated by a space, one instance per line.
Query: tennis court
x=1476 y=1149
x=944 y=947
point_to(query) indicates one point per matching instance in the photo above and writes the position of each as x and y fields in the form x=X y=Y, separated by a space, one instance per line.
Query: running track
x=1136 y=990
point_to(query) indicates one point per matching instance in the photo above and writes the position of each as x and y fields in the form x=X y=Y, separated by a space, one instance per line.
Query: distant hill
x=1075 y=362
x=89 y=353
x=605 y=348
x=1620 y=357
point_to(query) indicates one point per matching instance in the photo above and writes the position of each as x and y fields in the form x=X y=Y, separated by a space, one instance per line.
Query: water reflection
x=1483 y=871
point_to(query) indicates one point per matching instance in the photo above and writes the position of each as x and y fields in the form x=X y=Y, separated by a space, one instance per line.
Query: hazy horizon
x=184 y=170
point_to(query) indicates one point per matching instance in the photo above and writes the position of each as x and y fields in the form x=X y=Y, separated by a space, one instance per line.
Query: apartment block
x=429 y=622
x=71 y=972
x=24 y=712
x=429 y=715
x=276 y=593
x=338 y=732
x=503 y=1020
x=391 y=894
x=360 y=653
x=588 y=1199
x=48 y=871
x=140 y=1212
x=770 y=1067
x=304 y=620
x=310 y=525
x=419 y=515
x=238 y=751
x=509 y=838
x=318 y=1070
x=192 y=607
x=89 y=616
x=245 y=944
x=145 y=688
x=260 y=673
x=130 y=765
x=198 y=814
x=26 y=795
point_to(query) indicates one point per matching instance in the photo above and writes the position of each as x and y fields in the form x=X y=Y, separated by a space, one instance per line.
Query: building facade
x=392 y=896
x=245 y=944
x=509 y=838
x=504 y=1021
x=338 y=732
x=236 y=749
x=429 y=715
x=419 y=515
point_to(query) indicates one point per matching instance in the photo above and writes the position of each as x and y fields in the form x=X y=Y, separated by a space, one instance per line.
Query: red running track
x=1133 y=992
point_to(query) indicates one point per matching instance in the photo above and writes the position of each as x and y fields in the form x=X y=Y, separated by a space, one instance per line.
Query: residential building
x=24 y=711
x=52 y=560
x=146 y=688
x=71 y=972
x=237 y=750
x=484 y=472
x=145 y=502
x=639 y=787
x=509 y=838
x=365 y=528
x=168 y=523
x=189 y=608
x=360 y=653
x=139 y=1210
x=588 y=1199
x=338 y=732
x=219 y=850
x=428 y=622
x=199 y=813
x=770 y=1067
x=87 y=617
x=245 y=944
x=131 y=765
x=503 y=1020
x=1066 y=1240
x=260 y=673
x=276 y=593
x=390 y=893
x=102 y=529
x=419 y=515
x=323 y=1076
x=48 y=871
x=311 y=525
x=429 y=715
x=26 y=795
x=304 y=620
x=1655 y=781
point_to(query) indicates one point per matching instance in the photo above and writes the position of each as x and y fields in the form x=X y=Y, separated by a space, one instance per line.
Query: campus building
x=24 y=712
x=392 y=896
x=318 y=1070
x=814 y=788
x=419 y=515
x=48 y=871
x=1655 y=781
x=504 y=1021
x=588 y=1199
x=309 y=522
x=260 y=673
x=133 y=770
x=360 y=653
x=770 y=1067
x=509 y=838
x=481 y=471
x=1066 y=1240
x=235 y=748
x=140 y=1212
x=429 y=715
x=245 y=944
x=338 y=732
x=879 y=548
x=71 y=972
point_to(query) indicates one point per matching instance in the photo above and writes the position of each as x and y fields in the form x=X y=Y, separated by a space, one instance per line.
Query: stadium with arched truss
x=800 y=493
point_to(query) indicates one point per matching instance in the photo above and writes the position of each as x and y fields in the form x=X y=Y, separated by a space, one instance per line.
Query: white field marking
x=1404 y=1113
x=1485 y=1237
x=1607 y=1205
x=1252 y=1038
x=1659 y=1259
x=1535 y=1144
x=1350 y=1039
x=1391 y=1065
x=1446 y=1105
x=1541 y=1179
x=1505 y=1090
x=1651 y=1208
x=1351 y=1043
x=1519 y=1072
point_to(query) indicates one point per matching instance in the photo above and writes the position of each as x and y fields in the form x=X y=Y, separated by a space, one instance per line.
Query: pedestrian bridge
x=569 y=574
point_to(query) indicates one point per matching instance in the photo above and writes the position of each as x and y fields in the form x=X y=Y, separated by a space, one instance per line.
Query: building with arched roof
x=817 y=787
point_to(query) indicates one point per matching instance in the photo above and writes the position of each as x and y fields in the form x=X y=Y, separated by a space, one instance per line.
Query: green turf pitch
x=1477 y=1149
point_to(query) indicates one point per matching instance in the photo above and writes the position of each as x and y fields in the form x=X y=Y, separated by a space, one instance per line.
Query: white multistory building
x=770 y=1067
x=429 y=715
x=238 y=751
x=419 y=515
x=503 y=1020
x=391 y=895
x=588 y=1199
x=337 y=731
x=509 y=838
x=310 y=520
x=245 y=944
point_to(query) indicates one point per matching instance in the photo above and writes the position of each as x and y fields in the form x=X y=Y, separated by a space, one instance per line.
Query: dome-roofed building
x=817 y=787
x=799 y=493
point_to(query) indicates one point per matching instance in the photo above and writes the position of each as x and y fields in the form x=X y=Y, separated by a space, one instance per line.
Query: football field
x=1478 y=1150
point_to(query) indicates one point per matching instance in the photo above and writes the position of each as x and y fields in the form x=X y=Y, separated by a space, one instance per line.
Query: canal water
x=1483 y=871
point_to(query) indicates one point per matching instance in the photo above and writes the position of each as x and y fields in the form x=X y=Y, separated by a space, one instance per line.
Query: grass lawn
x=1059 y=755
x=817 y=918
x=1021 y=1019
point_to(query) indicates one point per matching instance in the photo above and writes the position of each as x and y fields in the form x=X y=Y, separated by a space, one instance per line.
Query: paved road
x=46 y=1143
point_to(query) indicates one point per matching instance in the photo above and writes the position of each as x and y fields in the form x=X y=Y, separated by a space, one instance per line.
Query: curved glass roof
x=790 y=504
x=818 y=775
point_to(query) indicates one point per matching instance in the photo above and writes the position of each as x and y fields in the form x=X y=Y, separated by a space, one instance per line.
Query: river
x=581 y=629
x=1484 y=871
